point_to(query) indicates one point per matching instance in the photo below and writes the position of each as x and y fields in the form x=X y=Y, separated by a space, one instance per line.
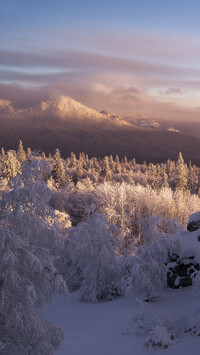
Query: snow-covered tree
x=181 y=173
x=58 y=170
x=89 y=261
x=28 y=153
x=148 y=274
x=106 y=171
x=2 y=155
x=21 y=155
x=153 y=176
x=26 y=204
x=11 y=165
x=28 y=277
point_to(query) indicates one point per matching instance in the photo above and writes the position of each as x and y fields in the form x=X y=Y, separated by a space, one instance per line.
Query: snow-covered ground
x=97 y=329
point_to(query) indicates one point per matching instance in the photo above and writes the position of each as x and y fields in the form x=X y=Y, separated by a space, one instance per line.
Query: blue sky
x=173 y=15
x=136 y=57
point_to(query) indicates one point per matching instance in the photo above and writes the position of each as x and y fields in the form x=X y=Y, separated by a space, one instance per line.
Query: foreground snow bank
x=100 y=329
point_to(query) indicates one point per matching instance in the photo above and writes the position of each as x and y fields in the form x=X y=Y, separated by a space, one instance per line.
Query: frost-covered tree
x=73 y=160
x=89 y=261
x=181 y=173
x=58 y=170
x=11 y=165
x=21 y=155
x=28 y=277
x=148 y=274
x=153 y=176
x=28 y=153
x=26 y=205
x=106 y=171
x=2 y=155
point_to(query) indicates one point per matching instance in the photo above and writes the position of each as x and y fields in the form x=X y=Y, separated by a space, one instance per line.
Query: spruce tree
x=21 y=155
x=181 y=173
x=28 y=153
x=106 y=172
x=3 y=155
x=58 y=170
x=11 y=166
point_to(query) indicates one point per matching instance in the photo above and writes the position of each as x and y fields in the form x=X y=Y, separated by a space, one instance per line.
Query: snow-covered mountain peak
x=66 y=108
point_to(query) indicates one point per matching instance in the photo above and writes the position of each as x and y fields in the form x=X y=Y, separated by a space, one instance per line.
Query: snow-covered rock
x=181 y=272
x=193 y=222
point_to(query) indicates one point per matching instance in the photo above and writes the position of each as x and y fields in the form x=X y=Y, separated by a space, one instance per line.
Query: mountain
x=60 y=107
x=64 y=107
x=64 y=123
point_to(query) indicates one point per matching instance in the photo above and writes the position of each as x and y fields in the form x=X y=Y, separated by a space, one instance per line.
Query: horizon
x=137 y=58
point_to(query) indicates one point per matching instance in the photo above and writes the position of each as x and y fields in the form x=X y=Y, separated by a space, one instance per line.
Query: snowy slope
x=97 y=329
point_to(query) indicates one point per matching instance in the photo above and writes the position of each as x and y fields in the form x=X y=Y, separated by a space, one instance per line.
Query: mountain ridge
x=59 y=107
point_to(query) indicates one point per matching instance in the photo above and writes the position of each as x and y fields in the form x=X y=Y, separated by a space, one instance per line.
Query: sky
x=132 y=57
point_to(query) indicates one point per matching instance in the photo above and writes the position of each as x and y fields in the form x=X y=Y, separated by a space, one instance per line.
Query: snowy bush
x=148 y=274
x=89 y=259
x=160 y=331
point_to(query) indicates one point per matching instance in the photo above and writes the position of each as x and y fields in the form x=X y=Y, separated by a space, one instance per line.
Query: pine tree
x=21 y=155
x=73 y=160
x=58 y=169
x=3 y=155
x=11 y=166
x=164 y=180
x=181 y=173
x=106 y=172
x=118 y=168
x=44 y=156
x=192 y=179
x=28 y=153
x=153 y=176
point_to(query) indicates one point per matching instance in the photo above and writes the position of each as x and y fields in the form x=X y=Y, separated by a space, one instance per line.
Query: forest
x=89 y=225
